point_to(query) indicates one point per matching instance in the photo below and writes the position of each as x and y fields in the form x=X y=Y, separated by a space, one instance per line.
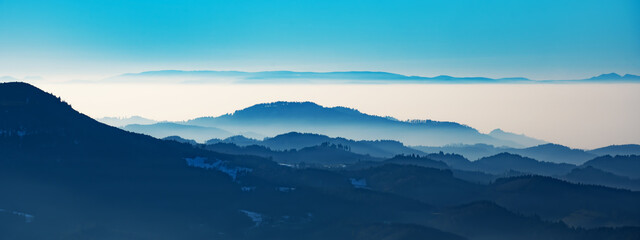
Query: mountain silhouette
x=520 y=139
x=470 y=151
x=433 y=186
x=65 y=175
x=237 y=140
x=546 y=197
x=77 y=178
x=574 y=204
x=628 y=166
x=614 y=77
x=295 y=140
x=554 y=153
x=594 y=176
x=280 y=117
x=325 y=155
x=613 y=150
x=203 y=76
x=549 y=152
x=180 y=140
x=178 y=76
x=505 y=162
x=487 y=220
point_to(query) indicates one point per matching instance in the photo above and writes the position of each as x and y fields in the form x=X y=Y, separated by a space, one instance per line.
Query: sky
x=546 y=39
x=66 y=40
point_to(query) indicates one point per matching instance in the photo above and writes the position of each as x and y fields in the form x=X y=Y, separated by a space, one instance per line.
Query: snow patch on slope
x=9 y=133
x=285 y=189
x=358 y=183
x=202 y=162
x=255 y=217
x=27 y=217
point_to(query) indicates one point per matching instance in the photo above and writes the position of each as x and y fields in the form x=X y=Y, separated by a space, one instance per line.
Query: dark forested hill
x=628 y=166
x=552 y=199
x=504 y=162
x=295 y=140
x=322 y=156
x=64 y=175
x=591 y=175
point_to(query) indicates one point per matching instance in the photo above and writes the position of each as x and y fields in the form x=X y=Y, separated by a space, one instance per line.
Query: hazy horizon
x=558 y=113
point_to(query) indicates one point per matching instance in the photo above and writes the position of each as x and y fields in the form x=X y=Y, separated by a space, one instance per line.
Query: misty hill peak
x=631 y=76
x=293 y=106
x=497 y=131
x=615 y=76
x=298 y=134
x=299 y=111
x=551 y=146
x=607 y=76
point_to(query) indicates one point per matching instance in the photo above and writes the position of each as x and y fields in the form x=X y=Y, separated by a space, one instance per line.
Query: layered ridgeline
x=271 y=119
x=297 y=141
x=545 y=152
x=178 y=76
x=311 y=150
x=67 y=176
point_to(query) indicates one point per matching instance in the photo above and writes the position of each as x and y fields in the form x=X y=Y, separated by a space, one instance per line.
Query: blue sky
x=535 y=39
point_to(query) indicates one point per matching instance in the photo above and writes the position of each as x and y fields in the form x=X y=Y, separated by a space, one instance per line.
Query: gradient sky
x=545 y=39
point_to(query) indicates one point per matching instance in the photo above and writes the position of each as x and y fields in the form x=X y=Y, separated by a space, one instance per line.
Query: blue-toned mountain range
x=205 y=76
x=270 y=119
x=65 y=174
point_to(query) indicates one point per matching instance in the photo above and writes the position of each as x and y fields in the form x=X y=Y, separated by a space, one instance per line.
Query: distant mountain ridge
x=615 y=76
x=548 y=152
x=298 y=77
x=207 y=76
x=626 y=149
x=297 y=141
x=628 y=166
x=595 y=176
x=275 y=118
x=518 y=138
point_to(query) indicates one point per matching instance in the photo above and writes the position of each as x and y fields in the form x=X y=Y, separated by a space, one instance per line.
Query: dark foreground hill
x=552 y=199
x=65 y=176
